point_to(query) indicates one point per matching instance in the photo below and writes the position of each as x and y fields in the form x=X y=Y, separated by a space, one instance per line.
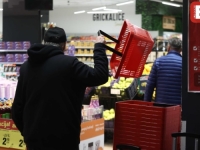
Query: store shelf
x=77 y=47
x=88 y=55
x=17 y=63
x=13 y=51
x=84 y=55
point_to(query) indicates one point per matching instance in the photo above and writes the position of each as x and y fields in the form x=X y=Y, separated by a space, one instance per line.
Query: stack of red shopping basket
x=147 y=125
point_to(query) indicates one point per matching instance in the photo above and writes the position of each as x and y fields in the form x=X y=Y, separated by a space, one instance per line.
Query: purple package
x=18 y=45
x=3 y=45
x=25 y=59
x=2 y=56
x=9 y=55
x=71 y=50
x=3 y=59
x=26 y=45
x=18 y=55
x=18 y=59
x=10 y=45
x=25 y=55
x=11 y=60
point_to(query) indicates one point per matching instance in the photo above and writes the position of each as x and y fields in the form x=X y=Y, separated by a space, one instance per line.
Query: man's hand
x=100 y=39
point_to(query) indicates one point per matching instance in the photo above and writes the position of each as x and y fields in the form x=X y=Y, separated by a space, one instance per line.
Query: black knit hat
x=55 y=35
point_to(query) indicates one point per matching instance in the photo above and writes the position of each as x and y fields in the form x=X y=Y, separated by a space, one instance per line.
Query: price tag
x=17 y=141
x=115 y=91
x=4 y=138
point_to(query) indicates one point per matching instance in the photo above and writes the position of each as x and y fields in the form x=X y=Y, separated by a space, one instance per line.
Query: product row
x=15 y=57
x=23 y=45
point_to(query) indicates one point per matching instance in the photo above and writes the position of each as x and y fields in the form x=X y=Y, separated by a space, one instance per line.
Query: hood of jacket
x=39 y=53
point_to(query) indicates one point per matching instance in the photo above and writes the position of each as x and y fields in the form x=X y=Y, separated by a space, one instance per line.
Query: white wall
x=84 y=24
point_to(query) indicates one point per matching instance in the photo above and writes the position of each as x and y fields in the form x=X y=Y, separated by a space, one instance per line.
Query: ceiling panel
x=94 y=3
x=86 y=3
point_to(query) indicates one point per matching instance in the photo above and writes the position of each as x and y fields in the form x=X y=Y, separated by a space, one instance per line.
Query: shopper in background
x=166 y=76
x=50 y=90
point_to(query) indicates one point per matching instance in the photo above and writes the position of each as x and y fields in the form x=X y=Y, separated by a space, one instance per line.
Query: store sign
x=109 y=17
x=92 y=135
x=195 y=12
x=194 y=48
x=169 y=22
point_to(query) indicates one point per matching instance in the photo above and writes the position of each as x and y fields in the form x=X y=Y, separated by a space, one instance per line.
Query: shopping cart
x=176 y=135
x=131 y=51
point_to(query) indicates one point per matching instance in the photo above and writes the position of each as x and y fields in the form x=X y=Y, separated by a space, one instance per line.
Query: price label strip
x=17 y=141
x=5 y=138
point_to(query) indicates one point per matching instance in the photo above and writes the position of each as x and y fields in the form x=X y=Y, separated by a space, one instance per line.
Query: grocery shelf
x=84 y=47
x=83 y=55
x=13 y=50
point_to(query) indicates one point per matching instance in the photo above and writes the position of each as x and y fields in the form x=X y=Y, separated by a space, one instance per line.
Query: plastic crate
x=108 y=101
x=145 y=124
x=129 y=93
x=109 y=129
x=132 y=91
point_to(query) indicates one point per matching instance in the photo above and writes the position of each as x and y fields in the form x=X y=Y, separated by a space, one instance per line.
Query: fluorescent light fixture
x=125 y=3
x=171 y=4
x=1 y=9
x=113 y=9
x=99 y=8
x=79 y=12
x=102 y=12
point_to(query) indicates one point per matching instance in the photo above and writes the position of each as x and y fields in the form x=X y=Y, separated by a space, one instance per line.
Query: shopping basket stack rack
x=146 y=125
x=131 y=51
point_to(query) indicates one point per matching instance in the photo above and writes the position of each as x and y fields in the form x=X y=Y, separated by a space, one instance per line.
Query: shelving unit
x=3 y=64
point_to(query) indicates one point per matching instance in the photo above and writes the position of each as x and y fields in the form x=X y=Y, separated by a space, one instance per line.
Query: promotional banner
x=194 y=48
x=92 y=135
x=10 y=137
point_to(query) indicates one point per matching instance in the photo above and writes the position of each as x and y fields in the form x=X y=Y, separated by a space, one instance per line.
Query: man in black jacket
x=50 y=90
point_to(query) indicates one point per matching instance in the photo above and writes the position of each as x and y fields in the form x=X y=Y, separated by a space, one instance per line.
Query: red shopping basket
x=131 y=51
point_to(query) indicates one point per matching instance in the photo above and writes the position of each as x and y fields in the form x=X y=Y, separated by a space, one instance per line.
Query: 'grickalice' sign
x=108 y=17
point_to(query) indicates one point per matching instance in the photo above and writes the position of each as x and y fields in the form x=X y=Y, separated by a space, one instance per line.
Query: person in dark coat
x=48 y=101
x=166 y=76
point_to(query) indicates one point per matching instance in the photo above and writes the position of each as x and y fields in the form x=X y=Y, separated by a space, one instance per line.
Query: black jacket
x=50 y=90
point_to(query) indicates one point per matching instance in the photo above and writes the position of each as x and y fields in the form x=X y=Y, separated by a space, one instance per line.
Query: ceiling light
x=125 y=3
x=79 y=12
x=113 y=9
x=171 y=4
x=102 y=12
x=1 y=9
x=99 y=8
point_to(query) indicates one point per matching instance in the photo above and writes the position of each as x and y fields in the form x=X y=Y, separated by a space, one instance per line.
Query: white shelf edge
x=84 y=47
x=13 y=50
x=17 y=63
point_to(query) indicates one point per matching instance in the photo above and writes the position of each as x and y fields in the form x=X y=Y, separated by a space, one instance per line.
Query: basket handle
x=111 y=38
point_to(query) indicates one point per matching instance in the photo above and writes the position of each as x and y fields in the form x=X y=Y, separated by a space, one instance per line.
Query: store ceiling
x=91 y=3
